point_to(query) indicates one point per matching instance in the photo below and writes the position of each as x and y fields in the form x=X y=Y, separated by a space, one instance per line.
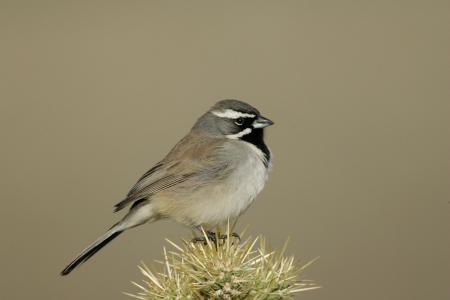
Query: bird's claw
x=215 y=237
x=235 y=235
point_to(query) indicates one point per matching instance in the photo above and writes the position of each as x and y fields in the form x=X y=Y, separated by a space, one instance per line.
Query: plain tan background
x=93 y=93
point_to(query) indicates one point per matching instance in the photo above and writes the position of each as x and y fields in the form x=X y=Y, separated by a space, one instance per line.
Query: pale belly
x=216 y=204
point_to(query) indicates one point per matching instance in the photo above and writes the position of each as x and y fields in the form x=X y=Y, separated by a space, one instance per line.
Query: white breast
x=232 y=197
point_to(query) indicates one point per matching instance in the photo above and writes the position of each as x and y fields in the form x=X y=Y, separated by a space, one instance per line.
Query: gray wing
x=163 y=177
x=154 y=180
x=193 y=158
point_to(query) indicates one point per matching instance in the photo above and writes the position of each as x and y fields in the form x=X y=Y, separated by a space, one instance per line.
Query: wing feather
x=146 y=190
x=193 y=156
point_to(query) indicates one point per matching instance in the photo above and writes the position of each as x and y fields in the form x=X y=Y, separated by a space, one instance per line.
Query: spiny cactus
x=223 y=269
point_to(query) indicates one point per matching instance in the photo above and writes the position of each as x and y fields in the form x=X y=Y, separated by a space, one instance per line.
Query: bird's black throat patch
x=256 y=137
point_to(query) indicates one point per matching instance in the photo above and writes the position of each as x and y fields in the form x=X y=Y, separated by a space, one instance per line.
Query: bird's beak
x=261 y=122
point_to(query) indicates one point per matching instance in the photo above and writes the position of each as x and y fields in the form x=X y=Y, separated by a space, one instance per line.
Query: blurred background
x=93 y=93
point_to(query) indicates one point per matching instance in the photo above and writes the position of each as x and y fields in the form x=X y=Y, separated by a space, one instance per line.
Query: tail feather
x=140 y=213
x=93 y=248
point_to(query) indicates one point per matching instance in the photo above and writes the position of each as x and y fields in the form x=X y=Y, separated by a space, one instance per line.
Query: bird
x=210 y=176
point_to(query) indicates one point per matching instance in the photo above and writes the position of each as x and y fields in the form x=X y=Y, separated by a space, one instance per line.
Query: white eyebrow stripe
x=239 y=134
x=232 y=114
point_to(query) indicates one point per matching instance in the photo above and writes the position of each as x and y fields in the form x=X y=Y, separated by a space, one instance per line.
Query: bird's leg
x=215 y=237
x=200 y=238
x=206 y=235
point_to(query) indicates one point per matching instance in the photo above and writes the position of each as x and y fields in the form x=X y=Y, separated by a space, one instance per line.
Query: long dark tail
x=93 y=248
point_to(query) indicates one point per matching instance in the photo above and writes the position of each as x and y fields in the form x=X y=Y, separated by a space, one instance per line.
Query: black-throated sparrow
x=210 y=176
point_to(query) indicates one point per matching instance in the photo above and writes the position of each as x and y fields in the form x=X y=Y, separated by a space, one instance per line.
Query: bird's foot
x=214 y=237
x=198 y=239
x=222 y=237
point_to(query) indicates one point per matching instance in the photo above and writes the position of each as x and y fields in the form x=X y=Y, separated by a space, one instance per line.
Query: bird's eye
x=239 y=121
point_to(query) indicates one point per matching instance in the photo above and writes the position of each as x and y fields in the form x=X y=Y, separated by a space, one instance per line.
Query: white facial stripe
x=239 y=134
x=232 y=114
